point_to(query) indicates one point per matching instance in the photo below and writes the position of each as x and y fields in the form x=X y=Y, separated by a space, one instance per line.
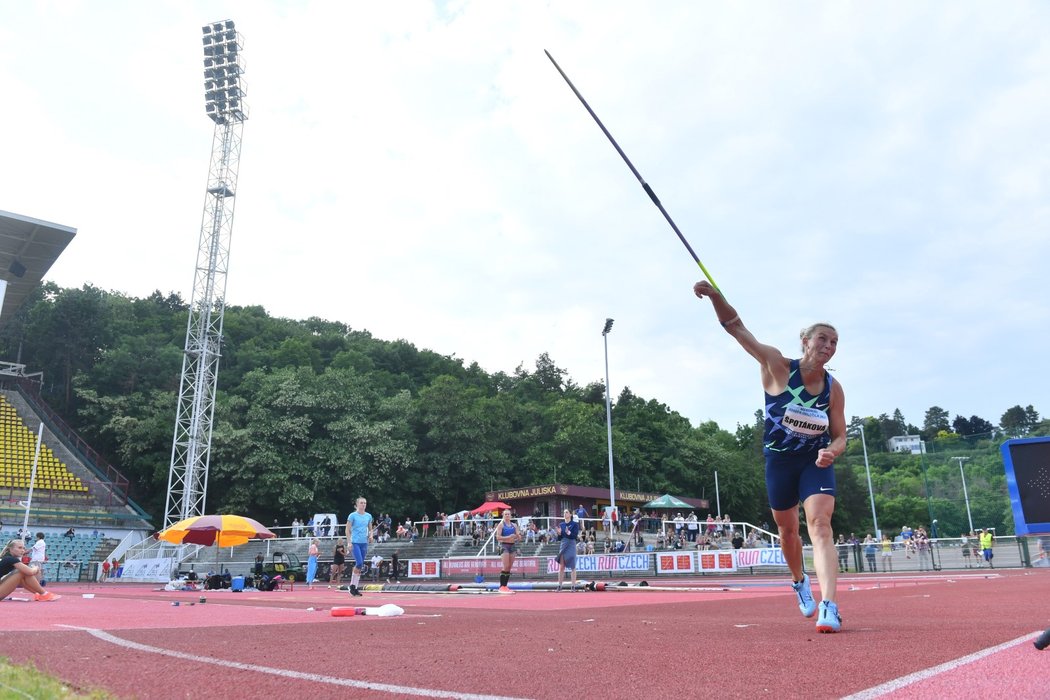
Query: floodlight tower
x=191 y=446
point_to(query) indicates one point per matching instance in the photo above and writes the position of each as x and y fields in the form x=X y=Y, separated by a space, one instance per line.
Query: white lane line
x=285 y=673
x=898 y=683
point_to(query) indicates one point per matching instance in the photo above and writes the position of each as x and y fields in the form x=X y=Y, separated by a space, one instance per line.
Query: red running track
x=966 y=635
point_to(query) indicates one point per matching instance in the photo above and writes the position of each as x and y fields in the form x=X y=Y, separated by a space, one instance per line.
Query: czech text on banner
x=767 y=556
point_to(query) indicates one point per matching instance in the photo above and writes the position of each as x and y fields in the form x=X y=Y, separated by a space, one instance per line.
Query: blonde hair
x=810 y=330
x=7 y=547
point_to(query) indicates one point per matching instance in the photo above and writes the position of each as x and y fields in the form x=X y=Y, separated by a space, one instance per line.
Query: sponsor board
x=424 y=568
x=470 y=566
x=715 y=560
x=675 y=562
x=155 y=570
x=605 y=562
x=767 y=556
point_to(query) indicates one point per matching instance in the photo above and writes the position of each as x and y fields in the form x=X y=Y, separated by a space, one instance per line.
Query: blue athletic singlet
x=506 y=530
x=797 y=421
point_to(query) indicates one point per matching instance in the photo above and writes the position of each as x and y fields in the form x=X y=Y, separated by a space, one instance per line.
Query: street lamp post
x=926 y=486
x=966 y=494
x=608 y=415
x=871 y=492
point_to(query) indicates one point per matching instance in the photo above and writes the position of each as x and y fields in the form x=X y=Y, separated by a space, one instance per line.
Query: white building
x=906 y=443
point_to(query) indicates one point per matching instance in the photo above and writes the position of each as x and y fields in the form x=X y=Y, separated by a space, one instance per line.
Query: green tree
x=67 y=332
x=1018 y=422
x=460 y=443
x=936 y=420
x=292 y=441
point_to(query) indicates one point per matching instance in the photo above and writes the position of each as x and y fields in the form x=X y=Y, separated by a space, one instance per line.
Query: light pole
x=608 y=415
x=926 y=486
x=966 y=494
x=871 y=492
x=718 y=498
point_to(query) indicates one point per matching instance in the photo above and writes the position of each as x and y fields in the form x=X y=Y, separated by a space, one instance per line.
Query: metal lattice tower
x=191 y=445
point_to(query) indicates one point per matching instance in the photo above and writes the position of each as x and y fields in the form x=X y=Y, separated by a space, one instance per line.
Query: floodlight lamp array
x=224 y=90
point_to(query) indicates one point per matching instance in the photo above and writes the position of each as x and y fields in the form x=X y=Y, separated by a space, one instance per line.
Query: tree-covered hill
x=311 y=413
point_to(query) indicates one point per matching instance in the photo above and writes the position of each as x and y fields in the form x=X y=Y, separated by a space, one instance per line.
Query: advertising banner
x=767 y=556
x=487 y=566
x=424 y=568
x=606 y=562
x=675 y=562
x=154 y=570
x=715 y=561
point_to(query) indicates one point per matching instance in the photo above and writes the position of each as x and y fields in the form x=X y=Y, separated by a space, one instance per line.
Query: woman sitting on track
x=15 y=574
x=508 y=535
x=568 y=534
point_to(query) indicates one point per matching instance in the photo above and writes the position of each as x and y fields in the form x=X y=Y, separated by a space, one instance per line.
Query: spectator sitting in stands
x=401 y=532
x=619 y=546
x=70 y=533
x=530 y=532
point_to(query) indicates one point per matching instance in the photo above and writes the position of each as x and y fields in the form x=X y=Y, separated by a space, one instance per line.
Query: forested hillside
x=312 y=413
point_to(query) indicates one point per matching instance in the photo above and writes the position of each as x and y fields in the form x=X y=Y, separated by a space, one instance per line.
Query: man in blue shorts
x=359 y=535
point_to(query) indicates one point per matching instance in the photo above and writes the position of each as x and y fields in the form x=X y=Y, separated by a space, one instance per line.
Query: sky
x=419 y=170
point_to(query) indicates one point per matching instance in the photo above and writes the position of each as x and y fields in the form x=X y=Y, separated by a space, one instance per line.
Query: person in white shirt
x=694 y=527
x=38 y=555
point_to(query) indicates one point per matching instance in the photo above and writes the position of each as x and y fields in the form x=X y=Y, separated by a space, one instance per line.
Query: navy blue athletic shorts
x=792 y=477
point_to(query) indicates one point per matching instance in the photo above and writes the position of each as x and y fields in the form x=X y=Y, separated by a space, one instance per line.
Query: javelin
x=644 y=184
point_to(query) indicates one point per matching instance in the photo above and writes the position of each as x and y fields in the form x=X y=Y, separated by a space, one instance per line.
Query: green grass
x=27 y=682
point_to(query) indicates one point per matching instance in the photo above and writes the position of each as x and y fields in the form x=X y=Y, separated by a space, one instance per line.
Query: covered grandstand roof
x=28 y=249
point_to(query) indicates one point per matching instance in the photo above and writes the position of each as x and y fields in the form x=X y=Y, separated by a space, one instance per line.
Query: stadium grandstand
x=65 y=485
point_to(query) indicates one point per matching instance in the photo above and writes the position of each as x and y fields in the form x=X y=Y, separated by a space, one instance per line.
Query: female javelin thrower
x=805 y=430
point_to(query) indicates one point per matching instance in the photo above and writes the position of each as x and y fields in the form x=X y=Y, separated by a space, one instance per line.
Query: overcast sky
x=421 y=171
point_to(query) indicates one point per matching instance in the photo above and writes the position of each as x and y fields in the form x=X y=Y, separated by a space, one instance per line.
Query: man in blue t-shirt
x=359 y=534
x=581 y=516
